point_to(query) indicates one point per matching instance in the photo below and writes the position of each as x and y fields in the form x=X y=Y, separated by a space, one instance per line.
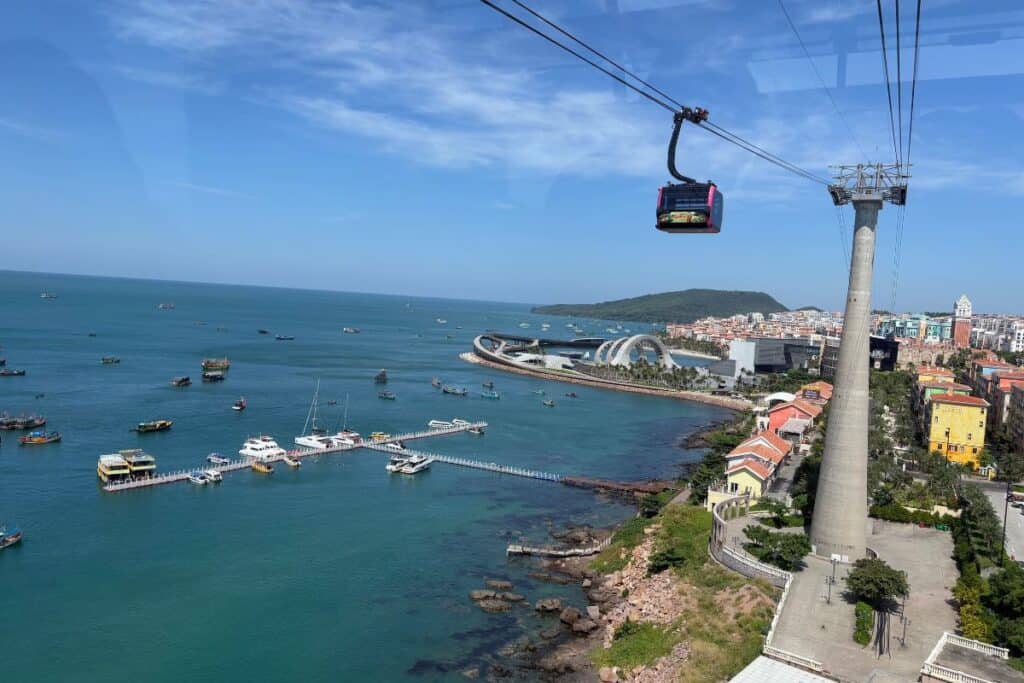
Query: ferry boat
x=217 y=459
x=182 y=381
x=262 y=467
x=213 y=476
x=22 y=422
x=239 y=405
x=440 y=424
x=549 y=403
x=153 y=426
x=9 y=537
x=165 y=307
x=381 y=377
x=10 y=372
x=386 y=395
x=112 y=468
x=110 y=360
x=47 y=295
x=198 y=478
x=454 y=391
x=140 y=463
x=261 y=448
x=490 y=394
x=38 y=438
x=284 y=337
x=216 y=363
x=214 y=376
x=416 y=464
x=291 y=462
x=350 y=330
x=436 y=382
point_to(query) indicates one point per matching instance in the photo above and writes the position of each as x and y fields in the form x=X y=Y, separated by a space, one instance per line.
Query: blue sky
x=435 y=148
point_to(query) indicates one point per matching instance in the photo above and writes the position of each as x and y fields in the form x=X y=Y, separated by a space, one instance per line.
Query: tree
x=777 y=512
x=875 y=582
x=785 y=551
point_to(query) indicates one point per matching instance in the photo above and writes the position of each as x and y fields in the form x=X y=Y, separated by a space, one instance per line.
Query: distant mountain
x=677 y=307
x=810 y=308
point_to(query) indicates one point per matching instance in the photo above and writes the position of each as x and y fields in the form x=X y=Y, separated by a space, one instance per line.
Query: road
x=996 y=492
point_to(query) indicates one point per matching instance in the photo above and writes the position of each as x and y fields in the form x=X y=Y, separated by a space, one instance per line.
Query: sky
x=433 y=147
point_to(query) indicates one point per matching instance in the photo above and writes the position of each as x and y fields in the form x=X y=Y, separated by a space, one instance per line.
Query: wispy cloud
x=177 y=80
x=30 y=130
x=205 y=189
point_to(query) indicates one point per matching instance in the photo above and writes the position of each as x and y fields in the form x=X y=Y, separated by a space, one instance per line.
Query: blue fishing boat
x=490 y=394
x=9 y=537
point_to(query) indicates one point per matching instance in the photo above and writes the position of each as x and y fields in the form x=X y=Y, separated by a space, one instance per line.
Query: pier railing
x=546 y=551
x=473 y=464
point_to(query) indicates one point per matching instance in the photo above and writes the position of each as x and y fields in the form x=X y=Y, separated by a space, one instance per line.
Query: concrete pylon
x=840 y=508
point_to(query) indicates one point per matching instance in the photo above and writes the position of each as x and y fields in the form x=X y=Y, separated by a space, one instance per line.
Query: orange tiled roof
x=760 y=450
x=823 y=387
x=943 y=385
x=753 y=466
x=960 y=400
x=777 y=442
x=799 y=404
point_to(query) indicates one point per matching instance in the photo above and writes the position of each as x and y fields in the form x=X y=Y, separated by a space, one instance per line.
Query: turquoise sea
x=334 y=572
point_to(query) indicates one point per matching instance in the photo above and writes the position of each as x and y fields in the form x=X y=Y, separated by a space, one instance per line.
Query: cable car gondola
x=690 y=206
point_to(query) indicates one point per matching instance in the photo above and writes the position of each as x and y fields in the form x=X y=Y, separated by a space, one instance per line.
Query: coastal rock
x=493 y=605
x=481 y=594
x=594 y=612
x=549 y=633
x=512 y=597
x=557 y=662
x=569 y=615
x=608 y=675
x=497 y=670
x=584 y=626
x=549 y=605
x=472 y=673
x=540 y=576
x=587 y=583
x=498 y=584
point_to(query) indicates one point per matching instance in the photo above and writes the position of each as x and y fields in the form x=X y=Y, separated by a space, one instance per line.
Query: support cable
x=888 y=84
x=913 y=83
x=899 y=79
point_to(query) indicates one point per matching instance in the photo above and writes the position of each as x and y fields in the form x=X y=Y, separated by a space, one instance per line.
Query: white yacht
x=313 y=435
x=396 y=463
x=197 y=478
x=261 y=447
x=217 y=459
x=459 y=422
x=213 y=476
x=416 y=464
x=440 y=424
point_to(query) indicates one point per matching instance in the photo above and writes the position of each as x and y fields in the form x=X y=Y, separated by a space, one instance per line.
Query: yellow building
x=956 y=427
x=748 y=476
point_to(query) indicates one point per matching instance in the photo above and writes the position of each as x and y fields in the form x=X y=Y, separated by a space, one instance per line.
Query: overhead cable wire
x=899 y=78
x=821 y=80
x=764 y=154
x=888 y=84
x=603 y=56
x=576 y=54
x=913 y=83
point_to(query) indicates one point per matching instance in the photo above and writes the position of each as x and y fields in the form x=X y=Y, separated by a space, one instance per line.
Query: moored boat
x=386 y=395
x=182 y=381
x=284 y=337
x=291 y=462
x=217 y=459
x=548 y=402
x=261 y=447
x=396 y=463
x=214 y=376
x=262 y=467
x=440 y=424
x=262 y=331
x=239 y=405
x=350 y=330
x=165 y=307
x=197 y=477
x=381 y=377
x=110 y=360
x=436 y=382
x=458 y=422
x=213 y=476
x=11 y=372
x=153 y=426
x=140 y=463
x=38 y=438
x=47 y=295
x=416 y=464
x=21 y=422
x=454 y=391
x=112 y=468
x=9 y=536
x=488 y=385
x=572 y=394
x=216 y=363
x=539 y=392
x=490 y=394
x=479 y=431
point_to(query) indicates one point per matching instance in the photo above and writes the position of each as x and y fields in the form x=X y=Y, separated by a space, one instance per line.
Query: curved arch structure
x=620 y=353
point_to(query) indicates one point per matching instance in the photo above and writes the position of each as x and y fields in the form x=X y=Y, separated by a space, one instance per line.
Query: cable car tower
x=840 y=508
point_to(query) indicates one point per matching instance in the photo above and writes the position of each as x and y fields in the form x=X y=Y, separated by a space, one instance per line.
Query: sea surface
x=333 y=572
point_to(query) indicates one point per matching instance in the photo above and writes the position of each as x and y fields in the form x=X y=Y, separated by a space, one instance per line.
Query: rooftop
x=774 y=440
x=753 y=466
x=960 y=399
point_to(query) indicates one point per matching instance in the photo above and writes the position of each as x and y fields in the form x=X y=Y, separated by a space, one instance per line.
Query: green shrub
x=895 y=512
x=637 y=644
x=864 y=620
x=682 y=541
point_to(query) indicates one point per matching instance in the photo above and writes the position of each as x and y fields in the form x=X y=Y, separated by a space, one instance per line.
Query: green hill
x=677 y=307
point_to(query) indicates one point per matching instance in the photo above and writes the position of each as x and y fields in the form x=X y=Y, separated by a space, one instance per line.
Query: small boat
x=262 y=331
x=395 y=446
x=47 y=295
x=291 y=462
x=332 y=402
x=92 y=334
x=198 y=478
x=454 y=391
x=165 y=307
x=153 y=426
x=239 y=405
x=488 y=385
x=284 y=337
x=441 y=321
x=416 y=464
x=216 y=363
x=110 y=360
x=458 y=422
x=217 y=459
x=539 y=392
x=440 y=424
x=379 y=436
x=36 y=438
x=572 y=394
x=548 y=402
x=350 y=330
x=3 y=362
x=381 y=377
x=490 y=394
x=396 y=463
x=436 y=382
x=213 y=476
x=22 y=422
x=386 y=395
x=261 y=447
x=214 y=376
x=10 y=372
x=524 y=325
x=9 y=537
x=262 y=466
x=479 y=431
x=182 y=381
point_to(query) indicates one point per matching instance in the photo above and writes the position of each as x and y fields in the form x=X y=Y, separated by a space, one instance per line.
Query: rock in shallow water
x=481 y=594
x=569 y=615
x=493 y=605
x=583 y=625
x=549 y=605
x=498 y=584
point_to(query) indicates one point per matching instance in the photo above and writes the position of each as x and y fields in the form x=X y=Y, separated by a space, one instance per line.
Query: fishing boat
x=332 y=402
x=416 y=464
x=262 y=467
x=440 y=424
x=37 y=438
x=239 y=405
x=490 y=394
x=381 y=377
x=112 y=468
x=197 y=478
x=217 y=459
x=3 y=362
x=436 y=382
x=9 y=536
x=165 y=307
x=386 y=395
x=47 y=295
x=488 y=385
x=140 y=463
x=216 y=363
x=548 y=402
x=213 y=476
x=214 y=376
x=291 y=462
x=454 y=391
x=572 y=394
x=182 y=381
x=92 y=334
x=110 y=360
x=262 y=447
x=350 y=330
x=10 y=372
x=261 y=331
x=539 y=392
x=284 y=337
x=21 y=422
x=479 y=431
x=153 y=426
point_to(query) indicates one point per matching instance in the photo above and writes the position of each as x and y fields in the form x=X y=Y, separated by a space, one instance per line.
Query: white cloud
x=177 y=80
x=30 y=130
x=206 y=189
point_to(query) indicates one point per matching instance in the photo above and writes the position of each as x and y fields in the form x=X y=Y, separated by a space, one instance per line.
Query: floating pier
x=544 y=551
x=472 y=464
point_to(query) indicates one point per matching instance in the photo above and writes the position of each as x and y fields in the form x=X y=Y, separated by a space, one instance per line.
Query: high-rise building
x=962 y=322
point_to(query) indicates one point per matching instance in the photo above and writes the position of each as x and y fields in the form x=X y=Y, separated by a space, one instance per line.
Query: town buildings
x=956 y=427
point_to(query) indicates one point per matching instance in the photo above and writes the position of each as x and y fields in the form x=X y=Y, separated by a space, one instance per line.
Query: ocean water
x=334 y=572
